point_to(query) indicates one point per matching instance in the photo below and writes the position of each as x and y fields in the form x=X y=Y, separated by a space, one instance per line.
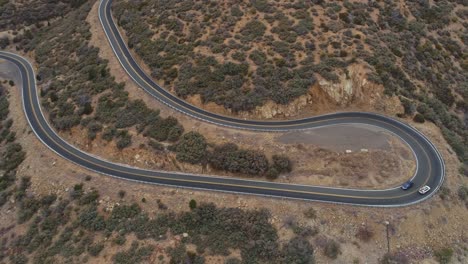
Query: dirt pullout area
x=365 y=156
x=313 y=163
x=414 y=231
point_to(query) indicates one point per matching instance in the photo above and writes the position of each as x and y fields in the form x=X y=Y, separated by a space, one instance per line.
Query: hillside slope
x=244 y=54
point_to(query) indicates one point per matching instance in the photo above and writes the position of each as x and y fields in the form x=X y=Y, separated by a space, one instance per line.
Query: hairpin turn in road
x=430 y=169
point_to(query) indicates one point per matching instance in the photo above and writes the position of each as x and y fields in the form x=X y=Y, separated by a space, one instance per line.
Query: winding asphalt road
x=430 y=166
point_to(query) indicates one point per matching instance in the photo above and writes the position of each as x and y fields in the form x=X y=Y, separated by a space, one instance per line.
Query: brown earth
x=415 y=230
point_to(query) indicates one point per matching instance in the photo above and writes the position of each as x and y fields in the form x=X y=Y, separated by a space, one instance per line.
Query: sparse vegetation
x=78 y=90
x=332 y=249
x=282 y=163
x=443 y=255
x=365 y=233
x=394 y=258
x=79 y=229
x=444 y=193
x=257 y=52
x=463 y=192
x=135 y=254
x=62 y=229
x=14 y=16
x=310 y=213
x=11 y=156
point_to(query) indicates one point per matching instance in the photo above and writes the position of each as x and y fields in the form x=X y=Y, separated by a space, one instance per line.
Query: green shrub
x=282 y=163
x=462 y=192
x=232 y=260
x=332 y=249
x=124 y=139
x=191 y=148
x=365 y=233
x=12 y=157
x=120 y=240
x=257 y=57
x=95 y=249
x=109 y=133
x=310 y=213
x=135 y=254
x=192 y=204
x=18 y=259
x=77 y=191
x=175 y=132
x=443 y=255
x=253 y=29
x=394 y=258
x=28 y=207
x=464 y=169
x=272 y=173
x=162 y=127
x=418 y=118
x=91 y=220
x=297 y=250
x=444 y=193
x=90 y=197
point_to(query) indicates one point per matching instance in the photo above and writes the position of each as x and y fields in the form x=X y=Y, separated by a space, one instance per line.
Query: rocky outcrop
x=352 y=89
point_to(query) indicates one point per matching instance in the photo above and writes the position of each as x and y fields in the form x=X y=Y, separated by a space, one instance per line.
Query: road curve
x=430 y=166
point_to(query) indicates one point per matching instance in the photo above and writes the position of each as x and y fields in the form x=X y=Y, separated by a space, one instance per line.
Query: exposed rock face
x=271 y=109
x=352 y=89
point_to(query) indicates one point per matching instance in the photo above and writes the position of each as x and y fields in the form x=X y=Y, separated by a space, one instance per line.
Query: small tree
x=121 y=194
x=192 y=204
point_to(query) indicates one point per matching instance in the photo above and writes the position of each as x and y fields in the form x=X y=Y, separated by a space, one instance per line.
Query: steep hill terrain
x=244 y=54
x=53 y=211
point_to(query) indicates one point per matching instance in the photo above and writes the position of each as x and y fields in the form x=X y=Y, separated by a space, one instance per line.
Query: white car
x=424 y=189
